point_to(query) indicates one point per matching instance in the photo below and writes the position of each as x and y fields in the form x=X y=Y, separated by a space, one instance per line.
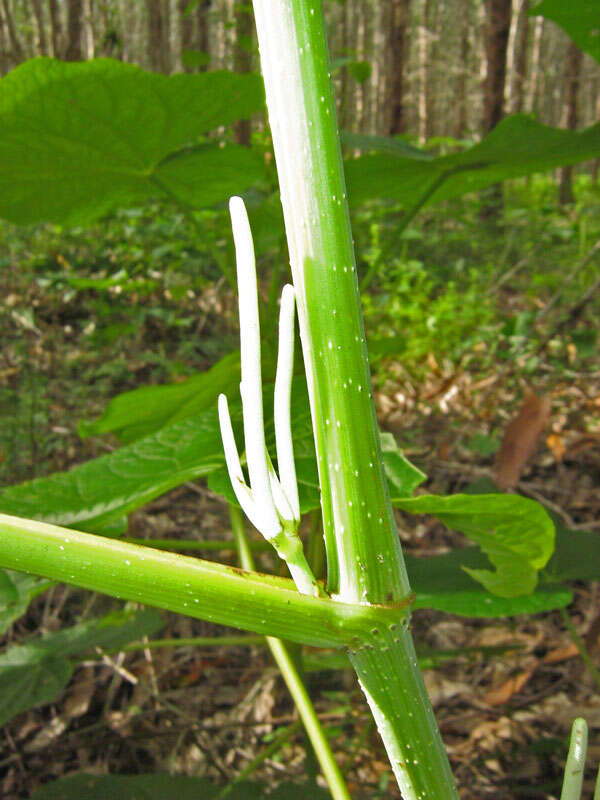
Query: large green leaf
x=579 y=18
x=133 y=415
x=441 y=582
x=80 y=139
x=157 y=786
x=515 y=533
x=517 y=146
x=37 y=672
x=102 y=490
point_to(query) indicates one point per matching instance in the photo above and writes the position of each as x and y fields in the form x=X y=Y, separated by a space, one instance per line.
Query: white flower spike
x=271 y=504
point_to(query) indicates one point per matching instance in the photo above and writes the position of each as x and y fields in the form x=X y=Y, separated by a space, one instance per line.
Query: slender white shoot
x=251 y=385
x=254 y=512
x=283 y=390
x=271 y=505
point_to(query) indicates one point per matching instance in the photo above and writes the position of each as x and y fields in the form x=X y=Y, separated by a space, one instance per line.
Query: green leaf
x=133 y=415
x=157 y=786
x=80 y=139
x=194 y=58
x=360 y=70
x=580 y=19
x=517 y=146
x=576 y=555
x=8 y=591
x=402 y=476
x=102 y=490
x=15 y=601
x=109 y=632
x=31 y=683
x=37 y=672
x=443 y=583
x=385 y=144
x=515 y=533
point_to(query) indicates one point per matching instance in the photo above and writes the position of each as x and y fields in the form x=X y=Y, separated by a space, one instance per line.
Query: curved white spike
x=251 y=385
x=232 y=459
x=244 y=495
x=283 y=388
x=283 y=506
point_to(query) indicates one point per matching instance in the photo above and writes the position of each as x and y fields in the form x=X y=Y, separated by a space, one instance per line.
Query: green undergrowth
x=139 y=298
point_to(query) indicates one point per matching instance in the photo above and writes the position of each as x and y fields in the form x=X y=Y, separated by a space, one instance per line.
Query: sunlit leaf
x=515 y=533
x=517 y=146
x=442 y=582
x=81 y=139
x=138 y=413
x=106 y=488
x=580 y=19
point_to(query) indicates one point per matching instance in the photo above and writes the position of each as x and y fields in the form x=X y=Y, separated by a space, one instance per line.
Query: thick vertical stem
x=364 y=559
x=363 y=553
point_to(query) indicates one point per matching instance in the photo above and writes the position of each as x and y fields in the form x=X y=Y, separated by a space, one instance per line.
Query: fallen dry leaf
x=502 y=694
x=520 y=439
x=557 y=445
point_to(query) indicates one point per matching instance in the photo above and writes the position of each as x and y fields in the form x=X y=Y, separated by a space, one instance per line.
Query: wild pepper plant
x=326 y=438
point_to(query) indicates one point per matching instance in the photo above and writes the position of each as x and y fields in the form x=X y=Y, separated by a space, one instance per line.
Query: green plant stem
x=575 y=766
x=289 y=671
x=263 y=604
x=581 y=648
x=364 y=558
x=188 y=544
x=243 y=640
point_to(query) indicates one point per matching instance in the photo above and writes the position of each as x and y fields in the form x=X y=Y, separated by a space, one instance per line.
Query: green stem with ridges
x=263 y=604
x=289 y=671
x=302 y=116
x=364 y=558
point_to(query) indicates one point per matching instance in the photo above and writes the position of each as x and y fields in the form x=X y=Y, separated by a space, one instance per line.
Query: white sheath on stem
x=283 y=390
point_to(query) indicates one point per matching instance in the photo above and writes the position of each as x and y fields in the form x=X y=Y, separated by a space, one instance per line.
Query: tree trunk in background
x=156 y=35
x=395 y=21
x=4 y=45
x=498 y=28
x=202 y=37
x=55 y=27
x=361 y=54
x=242 y=60
x=462 y=122
x=41 y=43
x=74 y=25
x=520 y=59
x=573 y=62
x=535 y=63
x=88 y=31
x=344 y=105
x=186 y=28
x=422 y=51
x=17 y=54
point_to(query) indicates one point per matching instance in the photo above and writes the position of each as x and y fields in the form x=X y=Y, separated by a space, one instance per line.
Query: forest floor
x=67 y=346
